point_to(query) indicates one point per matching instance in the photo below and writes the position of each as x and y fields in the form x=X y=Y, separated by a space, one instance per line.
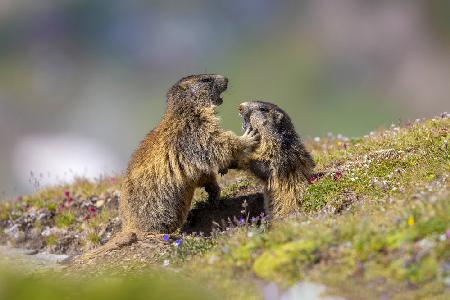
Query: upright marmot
x=281 y=160
x=185 y=151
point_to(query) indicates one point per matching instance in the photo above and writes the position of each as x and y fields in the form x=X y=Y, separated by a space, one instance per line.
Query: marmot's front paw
x=251 y=137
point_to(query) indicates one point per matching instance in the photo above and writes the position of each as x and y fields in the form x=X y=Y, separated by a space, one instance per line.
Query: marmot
x=281 y=161
x=185 y=151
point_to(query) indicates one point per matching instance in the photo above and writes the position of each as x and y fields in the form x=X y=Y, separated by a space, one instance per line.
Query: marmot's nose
x=221 y=81
x=220 y=78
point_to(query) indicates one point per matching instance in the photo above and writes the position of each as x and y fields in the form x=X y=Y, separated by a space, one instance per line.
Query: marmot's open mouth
x=220 y=86
x=219 y=100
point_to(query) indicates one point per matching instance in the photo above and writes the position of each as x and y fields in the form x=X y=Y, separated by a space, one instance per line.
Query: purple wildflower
x=254 y=219
x=67 y=193
x=242 y=220
x=448 y=234
x=179 y=242
x=166 y=237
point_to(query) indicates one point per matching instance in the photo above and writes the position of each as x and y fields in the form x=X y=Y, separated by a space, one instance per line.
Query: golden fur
x=185 y=151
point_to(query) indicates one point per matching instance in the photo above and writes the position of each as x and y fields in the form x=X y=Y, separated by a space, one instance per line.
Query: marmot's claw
x=252 y=137
x=255 y=134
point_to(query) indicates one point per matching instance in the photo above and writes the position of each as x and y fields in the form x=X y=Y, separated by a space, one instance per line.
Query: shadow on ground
x=204 y=217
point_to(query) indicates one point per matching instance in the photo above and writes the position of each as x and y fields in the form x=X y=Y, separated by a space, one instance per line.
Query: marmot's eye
x=264 y=109
x=206 y=80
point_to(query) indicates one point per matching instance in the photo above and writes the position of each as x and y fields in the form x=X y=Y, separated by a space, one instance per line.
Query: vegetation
x=145 y=286
x=377 y=225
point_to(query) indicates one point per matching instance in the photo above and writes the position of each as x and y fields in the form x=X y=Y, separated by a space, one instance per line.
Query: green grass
x=232 y=189
x=94 y=238
x=380 y=229
x=145 y=285
x=5 y=211
x=65 y=219
x=52 y=240
x=376 y=226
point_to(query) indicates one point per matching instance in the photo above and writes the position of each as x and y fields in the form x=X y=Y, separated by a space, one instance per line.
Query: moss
x=52 y=240
x=94 y=238
x=319 y=194
x=423 y=271
x=5 y=211
x=65 y=219
x=286 y=260
x=102 y=218
x=52 y=207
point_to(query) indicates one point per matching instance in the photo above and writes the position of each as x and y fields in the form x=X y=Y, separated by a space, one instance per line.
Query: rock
x=30 y=252
x=99 y=203
x=44 y=215
x=304 y=290
x=15 y=233
x=52 y=231
x=55 y=258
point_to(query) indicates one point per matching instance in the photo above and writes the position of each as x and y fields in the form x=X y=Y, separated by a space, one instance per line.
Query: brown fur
x=184 y=152
x=281 y=161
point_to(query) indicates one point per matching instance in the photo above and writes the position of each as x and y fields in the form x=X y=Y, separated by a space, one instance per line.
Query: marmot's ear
x=277 y=116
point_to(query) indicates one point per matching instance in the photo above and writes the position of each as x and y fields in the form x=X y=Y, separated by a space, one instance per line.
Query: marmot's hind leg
x=213 y=190
x=268 y=205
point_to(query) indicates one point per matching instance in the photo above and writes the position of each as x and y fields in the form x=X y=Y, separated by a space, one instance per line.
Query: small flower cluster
x=114 y=180
x=338 y=175
x=68 y=199
x=177 y=242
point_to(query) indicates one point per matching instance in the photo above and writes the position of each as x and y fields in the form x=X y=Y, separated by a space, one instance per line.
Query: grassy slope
x=377 y=225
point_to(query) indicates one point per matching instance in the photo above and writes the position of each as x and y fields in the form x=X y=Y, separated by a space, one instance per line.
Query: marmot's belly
x=161 y=213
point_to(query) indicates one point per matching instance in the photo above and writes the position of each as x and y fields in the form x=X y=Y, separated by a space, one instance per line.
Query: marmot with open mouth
x=281 y=160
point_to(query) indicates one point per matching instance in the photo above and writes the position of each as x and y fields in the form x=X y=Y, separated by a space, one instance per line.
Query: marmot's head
x=266 y=118
x=201 y=90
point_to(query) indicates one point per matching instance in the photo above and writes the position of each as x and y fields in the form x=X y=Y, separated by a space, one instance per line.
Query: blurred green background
x=82 y=82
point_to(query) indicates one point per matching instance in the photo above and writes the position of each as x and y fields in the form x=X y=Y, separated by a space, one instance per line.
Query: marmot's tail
x=124 y=239
x=120 y=240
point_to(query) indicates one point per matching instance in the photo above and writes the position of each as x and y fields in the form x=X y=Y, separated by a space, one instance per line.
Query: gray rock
x=303 y=290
